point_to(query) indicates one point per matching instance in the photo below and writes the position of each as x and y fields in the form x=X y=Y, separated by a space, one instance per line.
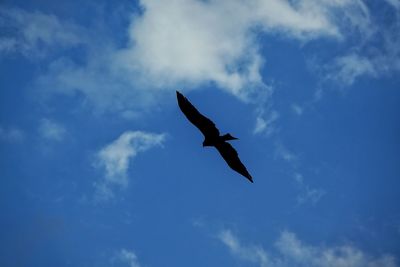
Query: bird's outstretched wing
x=204 y=124
x=232 y=158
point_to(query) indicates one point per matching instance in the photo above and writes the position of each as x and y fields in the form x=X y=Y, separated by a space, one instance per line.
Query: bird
x=212 y=136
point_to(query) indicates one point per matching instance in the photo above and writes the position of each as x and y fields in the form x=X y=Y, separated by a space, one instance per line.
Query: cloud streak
x=31 y=33
x=289 y=250
x=376 y=54
x=307 y=193
x=284 y=153
x=254 y=254
x=128 y=257
x=114 y=160
x=266 y=123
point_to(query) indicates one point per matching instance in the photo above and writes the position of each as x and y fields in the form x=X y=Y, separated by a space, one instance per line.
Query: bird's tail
x=227 y=137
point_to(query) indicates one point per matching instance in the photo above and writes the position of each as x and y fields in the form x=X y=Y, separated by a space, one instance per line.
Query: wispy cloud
x=11 y=134
x=281 y=151
x=175 y=43
x=265 y=123
x=297 y=109
x=394 y=3
x=289 y=250
x=128 y=257
x=295 y=251
x=376 y=54
x=31 y=33
x=51 y=130
x=307 y=193
x=254 y=254
x=114 y=159
x=347 y=69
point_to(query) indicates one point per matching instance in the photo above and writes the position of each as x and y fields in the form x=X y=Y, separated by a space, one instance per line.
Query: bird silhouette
x=212 y=136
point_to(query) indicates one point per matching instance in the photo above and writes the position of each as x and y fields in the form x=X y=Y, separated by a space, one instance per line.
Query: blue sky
x=99 y=167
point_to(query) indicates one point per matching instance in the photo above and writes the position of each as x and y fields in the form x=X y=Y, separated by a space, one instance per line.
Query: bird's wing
x=204 y=124
x=232 y=158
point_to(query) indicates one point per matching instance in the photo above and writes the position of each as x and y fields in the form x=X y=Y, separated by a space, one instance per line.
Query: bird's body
x=212 y=136
x=215 y=140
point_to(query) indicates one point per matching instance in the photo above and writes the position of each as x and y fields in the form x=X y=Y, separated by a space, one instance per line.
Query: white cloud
x=51 y=130
x=105 y=89
x=376 y=54
x=288 y=250
x=179 y=43
x=284 y=153
x=254 y=254
x=312 y=195
x=128 y=257
x=266 y=123
x=11 y=134
x=261 y=124
x=385 y=60
x=348 y=68
x=30 y=33
x=115 y=157
x=125 y=257
x=307 y=194
x=193 y=42
x=187 y=43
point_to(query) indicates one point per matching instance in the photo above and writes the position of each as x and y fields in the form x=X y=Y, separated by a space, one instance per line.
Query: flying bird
x=212 y=136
